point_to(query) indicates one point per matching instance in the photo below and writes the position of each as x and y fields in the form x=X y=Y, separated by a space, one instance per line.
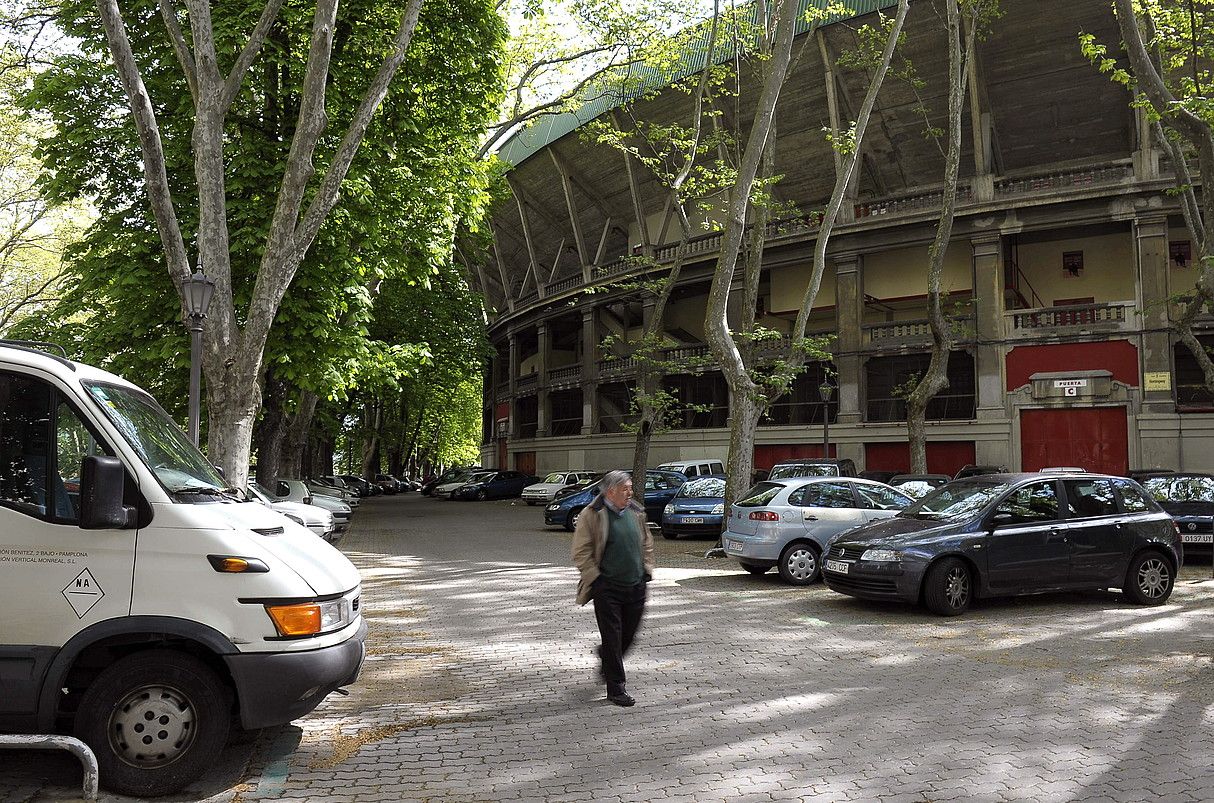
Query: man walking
x=613 y=550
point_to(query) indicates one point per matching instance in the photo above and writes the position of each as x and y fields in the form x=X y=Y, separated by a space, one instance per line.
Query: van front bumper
x=275 y=688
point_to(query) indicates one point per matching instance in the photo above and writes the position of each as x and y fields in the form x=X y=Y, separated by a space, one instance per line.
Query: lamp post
x=826 y=389
x=197 y=290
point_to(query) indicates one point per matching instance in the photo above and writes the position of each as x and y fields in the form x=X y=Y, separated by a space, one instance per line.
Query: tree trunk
x=936 y=377
x=299 y=425
x=270 y=431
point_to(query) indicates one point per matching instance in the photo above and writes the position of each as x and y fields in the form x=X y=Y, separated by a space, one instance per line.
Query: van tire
x=171 y=690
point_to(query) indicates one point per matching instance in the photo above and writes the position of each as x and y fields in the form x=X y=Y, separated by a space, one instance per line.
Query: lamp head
x=198 y=290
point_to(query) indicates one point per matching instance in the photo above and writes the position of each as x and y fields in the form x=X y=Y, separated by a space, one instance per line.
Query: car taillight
x=764 y=515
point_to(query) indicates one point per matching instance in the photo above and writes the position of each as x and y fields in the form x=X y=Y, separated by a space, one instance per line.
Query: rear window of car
x=804 y=470
x=760 y=495
x=1181 y=489
x=702 y=487
x=1133 y=500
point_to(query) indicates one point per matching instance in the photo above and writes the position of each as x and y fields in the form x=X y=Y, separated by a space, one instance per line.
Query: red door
x=524 y=462
x=943 y=457
x=1094 y=438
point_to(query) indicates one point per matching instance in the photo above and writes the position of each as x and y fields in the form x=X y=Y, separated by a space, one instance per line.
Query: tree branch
x=184 y=57
x=245 y=60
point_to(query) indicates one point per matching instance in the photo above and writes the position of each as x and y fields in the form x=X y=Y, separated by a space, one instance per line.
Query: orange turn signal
x=295 y=620
x=231 y=564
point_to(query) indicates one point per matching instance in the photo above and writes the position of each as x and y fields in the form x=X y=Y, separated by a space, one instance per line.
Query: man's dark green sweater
x=622 y=564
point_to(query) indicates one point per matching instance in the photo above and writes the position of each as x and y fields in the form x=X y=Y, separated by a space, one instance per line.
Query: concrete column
x=512 y=377
x=987 y=253
x=1151 y=238
x=544 y=416
x=590 y=371
x=849 y=316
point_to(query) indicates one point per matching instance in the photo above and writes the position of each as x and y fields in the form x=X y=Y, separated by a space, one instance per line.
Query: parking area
x=479 y=685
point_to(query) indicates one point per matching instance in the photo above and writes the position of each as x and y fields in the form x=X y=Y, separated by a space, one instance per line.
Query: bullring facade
x=1066 y=246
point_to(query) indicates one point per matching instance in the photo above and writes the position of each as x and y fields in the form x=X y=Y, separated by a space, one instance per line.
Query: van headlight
x=310 y=618
x=881 y=555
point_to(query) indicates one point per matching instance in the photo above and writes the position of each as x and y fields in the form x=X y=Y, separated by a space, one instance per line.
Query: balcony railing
x=916 y=331
x=904 y=204
x=566 y=374
x=526 y=382
x=563 y=285
x=1068 y=179
x=1101 y=317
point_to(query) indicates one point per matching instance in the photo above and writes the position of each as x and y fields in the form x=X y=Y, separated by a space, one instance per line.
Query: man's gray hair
x=613 y=478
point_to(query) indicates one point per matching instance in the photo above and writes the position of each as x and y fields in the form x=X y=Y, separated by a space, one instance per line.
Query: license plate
x=693 y=520
x=836 y=566
x=1198 y=538
x=733 y=546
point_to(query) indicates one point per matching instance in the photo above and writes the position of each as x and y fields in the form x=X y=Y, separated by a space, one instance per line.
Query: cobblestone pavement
x=479 y=685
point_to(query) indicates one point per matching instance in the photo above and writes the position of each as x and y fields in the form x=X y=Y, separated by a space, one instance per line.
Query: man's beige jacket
x=590 y=539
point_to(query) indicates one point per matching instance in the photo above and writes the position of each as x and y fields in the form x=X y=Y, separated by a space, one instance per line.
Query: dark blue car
x=660 y=488
x=494 y=485
x=697 y=509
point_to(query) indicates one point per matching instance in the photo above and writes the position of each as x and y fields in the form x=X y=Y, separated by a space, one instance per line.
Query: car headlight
x=666 y=511
x=881 y=555
x=718 y=510
x=554 y=507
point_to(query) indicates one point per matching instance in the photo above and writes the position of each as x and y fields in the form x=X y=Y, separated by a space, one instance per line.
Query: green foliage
x=415 y=180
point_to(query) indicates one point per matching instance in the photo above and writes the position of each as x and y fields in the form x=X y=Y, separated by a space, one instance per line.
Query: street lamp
x=197 y=290
x=826 y=389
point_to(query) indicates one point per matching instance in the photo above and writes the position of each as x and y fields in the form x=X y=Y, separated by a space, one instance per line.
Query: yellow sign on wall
x=1157 y=380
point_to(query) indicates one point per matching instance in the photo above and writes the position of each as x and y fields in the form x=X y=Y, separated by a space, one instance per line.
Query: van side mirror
x=101 y=487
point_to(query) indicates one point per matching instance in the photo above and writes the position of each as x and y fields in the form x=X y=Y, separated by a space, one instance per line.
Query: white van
x=694 y=468
x=144 y=607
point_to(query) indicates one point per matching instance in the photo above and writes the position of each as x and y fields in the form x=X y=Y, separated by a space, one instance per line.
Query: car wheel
x=948 y=588
x=530 y=503
x=669 y=535
x=1149 y=580
x=571 y=519
x=156 y=721
x=482 y=495
x=799 y=564
x=756 y=570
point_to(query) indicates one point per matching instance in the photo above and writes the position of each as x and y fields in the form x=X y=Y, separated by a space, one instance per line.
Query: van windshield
x=160 y=443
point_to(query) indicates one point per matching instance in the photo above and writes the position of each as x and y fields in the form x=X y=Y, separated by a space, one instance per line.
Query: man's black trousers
x=618 y=610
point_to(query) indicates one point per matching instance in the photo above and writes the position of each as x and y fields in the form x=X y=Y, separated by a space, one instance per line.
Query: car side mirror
x=102 y=480
x=1000 y=519
x=220 y=472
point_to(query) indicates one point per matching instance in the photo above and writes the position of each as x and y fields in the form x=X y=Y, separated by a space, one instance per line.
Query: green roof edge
x=524 y=144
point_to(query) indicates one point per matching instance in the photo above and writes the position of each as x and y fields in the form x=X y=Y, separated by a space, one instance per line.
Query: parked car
x=971 y=470
x=445 y=490
x=342 y=493
x=390 y=484
x=353 y=484
x=364 y=487
x=787 y=523
x=813 y=467
x=878 y=476
x=316 y=519
x=542 y=492
x=447 y=476
x=1008 y=534
x=292 y=490
x=694 y=468
x=918 y=485
x=660 y=488
x=1189 y=499
x=697 y=509
x=493 y=485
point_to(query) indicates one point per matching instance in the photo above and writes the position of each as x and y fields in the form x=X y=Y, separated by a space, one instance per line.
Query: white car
x=542 y=492
x=337 y=492
x=446 y=489
x=316 y=519
x=788 y=523
x=298 y=491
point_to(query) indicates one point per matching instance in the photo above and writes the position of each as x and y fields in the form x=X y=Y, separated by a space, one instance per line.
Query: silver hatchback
x=787 y=523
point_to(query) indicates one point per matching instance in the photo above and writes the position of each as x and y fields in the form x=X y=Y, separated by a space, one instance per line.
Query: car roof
x=911 y=477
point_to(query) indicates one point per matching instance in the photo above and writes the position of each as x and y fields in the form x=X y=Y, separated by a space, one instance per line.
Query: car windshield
x=480 y=476
x=760 y=495
x=701 y=488
x=955 y=500
x=804 y=470
x=915 y=488
x=160 y=443
x=1181 y=489
x=555 y=477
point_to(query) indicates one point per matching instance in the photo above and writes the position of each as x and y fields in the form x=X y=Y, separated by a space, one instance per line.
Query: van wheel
x=1149 y=580
x=571 y=519
x=156 y=720
x=799 y=564
x=948 y=588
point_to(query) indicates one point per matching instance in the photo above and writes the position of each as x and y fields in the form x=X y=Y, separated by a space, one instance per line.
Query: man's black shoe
x=621 y=698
